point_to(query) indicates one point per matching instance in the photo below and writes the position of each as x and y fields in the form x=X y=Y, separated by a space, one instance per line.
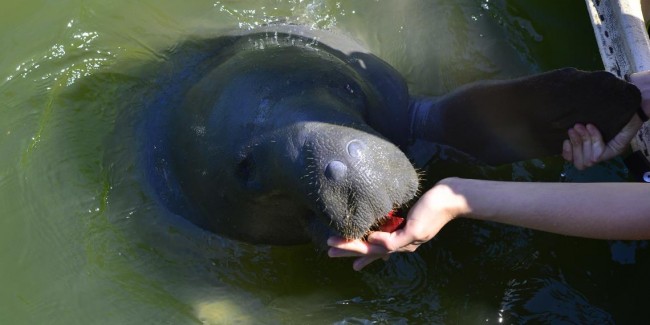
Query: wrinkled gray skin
x=274 y=146
x=284 y=135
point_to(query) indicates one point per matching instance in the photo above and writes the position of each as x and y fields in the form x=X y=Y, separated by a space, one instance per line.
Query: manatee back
x=167 y=156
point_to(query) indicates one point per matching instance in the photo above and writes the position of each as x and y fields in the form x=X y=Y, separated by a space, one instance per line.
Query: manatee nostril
x=355 y=148
x=335 y=170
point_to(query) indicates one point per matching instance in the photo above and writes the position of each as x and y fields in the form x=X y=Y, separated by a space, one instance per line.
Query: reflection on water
x=81 y=241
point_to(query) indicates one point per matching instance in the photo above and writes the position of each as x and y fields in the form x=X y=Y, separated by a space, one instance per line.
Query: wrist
x=449 y=193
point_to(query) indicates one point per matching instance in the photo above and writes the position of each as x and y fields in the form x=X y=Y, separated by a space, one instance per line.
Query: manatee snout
x=355 y=178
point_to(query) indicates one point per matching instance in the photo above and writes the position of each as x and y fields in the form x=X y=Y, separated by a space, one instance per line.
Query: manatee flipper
x=507 y=121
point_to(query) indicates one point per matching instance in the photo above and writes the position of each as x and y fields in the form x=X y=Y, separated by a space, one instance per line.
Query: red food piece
x=391 y=223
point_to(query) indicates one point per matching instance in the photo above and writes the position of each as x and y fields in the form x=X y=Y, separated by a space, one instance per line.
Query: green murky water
x=82 y=243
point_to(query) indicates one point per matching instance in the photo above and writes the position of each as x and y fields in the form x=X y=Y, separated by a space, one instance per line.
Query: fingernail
x=330 y=241
x=356 y=266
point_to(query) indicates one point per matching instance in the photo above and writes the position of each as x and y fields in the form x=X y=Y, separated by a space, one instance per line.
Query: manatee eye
x=245 y=168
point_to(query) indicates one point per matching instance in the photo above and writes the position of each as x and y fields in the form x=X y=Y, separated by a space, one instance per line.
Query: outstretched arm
x=594 y=210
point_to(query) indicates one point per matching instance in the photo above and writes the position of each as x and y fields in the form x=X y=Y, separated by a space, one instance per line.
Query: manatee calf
x=283 y=135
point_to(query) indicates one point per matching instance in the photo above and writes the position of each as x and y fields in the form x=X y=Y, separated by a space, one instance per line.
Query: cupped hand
x=430 y=213
x=585 y=146
x=379 y=245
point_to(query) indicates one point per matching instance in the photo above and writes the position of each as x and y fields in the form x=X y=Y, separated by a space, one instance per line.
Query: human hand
x=430 y=213
x=585 y=146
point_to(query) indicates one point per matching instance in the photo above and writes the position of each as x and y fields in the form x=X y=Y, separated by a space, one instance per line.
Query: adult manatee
x=284 y=134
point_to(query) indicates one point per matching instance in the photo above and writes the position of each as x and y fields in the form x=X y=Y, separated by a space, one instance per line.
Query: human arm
x=594 y=210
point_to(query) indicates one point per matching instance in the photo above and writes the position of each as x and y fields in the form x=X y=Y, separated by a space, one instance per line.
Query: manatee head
x=272 y=146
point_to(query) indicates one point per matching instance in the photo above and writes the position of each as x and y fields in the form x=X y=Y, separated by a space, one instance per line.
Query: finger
x=567 y=153
x=392 y=242
x=337 y=252
x=398 y=241
x=597 y=143
x=362 y=262
x=620 y=142
x=641 y=79
x=358 y=250
x=587 y=152
x=594 y=133
x=341 y=248
x=576 y=145
x=384 y=239
x=338 y=241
